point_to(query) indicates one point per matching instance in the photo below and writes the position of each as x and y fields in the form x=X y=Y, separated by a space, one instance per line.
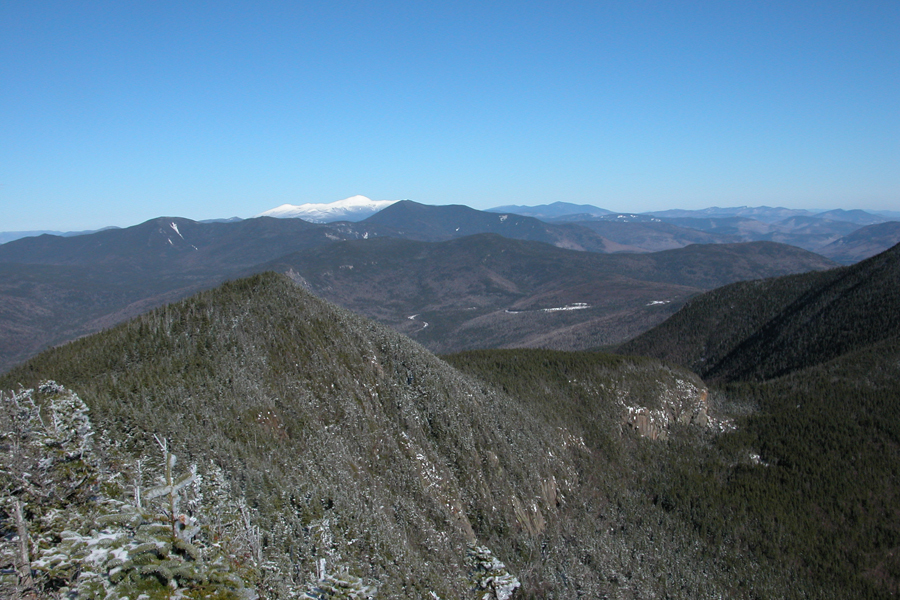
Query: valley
x=489 y=291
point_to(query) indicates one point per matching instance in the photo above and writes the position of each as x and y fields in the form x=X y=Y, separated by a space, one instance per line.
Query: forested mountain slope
x=863 y=243
x=814 y=360
x=763 y=329
x=174 y=246
x=803 y=478
x=362 y=458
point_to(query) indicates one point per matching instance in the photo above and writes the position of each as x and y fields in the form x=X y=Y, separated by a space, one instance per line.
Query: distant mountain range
x=768 y=214
x=863 y=243
x=489 y=291
x=327 y=455
x=8 y=236
x=823 y=232
x=427 y=223
x=818 y=231
x=55 y=289
x=550 y=211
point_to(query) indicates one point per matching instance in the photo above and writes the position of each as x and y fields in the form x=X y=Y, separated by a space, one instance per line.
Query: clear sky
x=115 y=112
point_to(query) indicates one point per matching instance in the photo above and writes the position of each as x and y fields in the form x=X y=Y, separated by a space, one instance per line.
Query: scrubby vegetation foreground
x=255 y=441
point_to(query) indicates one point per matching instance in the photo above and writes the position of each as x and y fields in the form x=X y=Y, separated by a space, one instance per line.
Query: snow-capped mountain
x=355 y=208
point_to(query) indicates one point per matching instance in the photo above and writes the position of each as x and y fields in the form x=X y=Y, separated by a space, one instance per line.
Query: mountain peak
x=354 y=208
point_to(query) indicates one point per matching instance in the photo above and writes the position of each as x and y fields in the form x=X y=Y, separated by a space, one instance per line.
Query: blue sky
x=115 y=112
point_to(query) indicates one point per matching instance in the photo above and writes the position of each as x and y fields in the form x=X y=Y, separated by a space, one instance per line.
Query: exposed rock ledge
x=686 y=404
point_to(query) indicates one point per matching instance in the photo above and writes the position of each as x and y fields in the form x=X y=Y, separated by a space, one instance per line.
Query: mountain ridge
x=426 y=223
x=55 y=289
x=576 y=471
x=787 y=323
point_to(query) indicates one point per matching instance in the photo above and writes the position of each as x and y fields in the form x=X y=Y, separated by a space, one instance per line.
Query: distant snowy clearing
x=575 y=306
x=413 y=318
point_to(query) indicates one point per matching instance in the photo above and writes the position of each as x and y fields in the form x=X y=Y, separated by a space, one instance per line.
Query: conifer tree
x=47 y=465
x=73 y=540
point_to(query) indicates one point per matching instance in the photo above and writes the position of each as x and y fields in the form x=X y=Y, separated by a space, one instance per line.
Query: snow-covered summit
x=355 y=208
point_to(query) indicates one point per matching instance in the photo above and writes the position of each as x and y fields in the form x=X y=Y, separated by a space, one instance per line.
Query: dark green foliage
x=760 y=330
x=808 y=482
x=354 y=446
x=580 y=391
x=811 y=476
x=711 y=325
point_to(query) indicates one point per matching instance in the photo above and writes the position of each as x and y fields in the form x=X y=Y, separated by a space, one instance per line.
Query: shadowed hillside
x=173 y=245
x=814 y=360
x=426 y=223
x=863 y=243
x=763 y=329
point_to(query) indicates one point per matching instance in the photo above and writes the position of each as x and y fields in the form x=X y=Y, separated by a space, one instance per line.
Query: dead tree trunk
x=23 y=569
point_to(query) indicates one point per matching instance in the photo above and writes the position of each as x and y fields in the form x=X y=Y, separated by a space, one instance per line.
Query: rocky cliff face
x=685 y=404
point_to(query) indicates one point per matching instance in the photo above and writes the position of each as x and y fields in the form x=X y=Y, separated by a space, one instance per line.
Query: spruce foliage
x=78 y=535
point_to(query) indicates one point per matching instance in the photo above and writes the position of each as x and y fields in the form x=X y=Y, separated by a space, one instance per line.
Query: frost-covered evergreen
x=46 y=466
x=337 y=586
x=69 y=537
